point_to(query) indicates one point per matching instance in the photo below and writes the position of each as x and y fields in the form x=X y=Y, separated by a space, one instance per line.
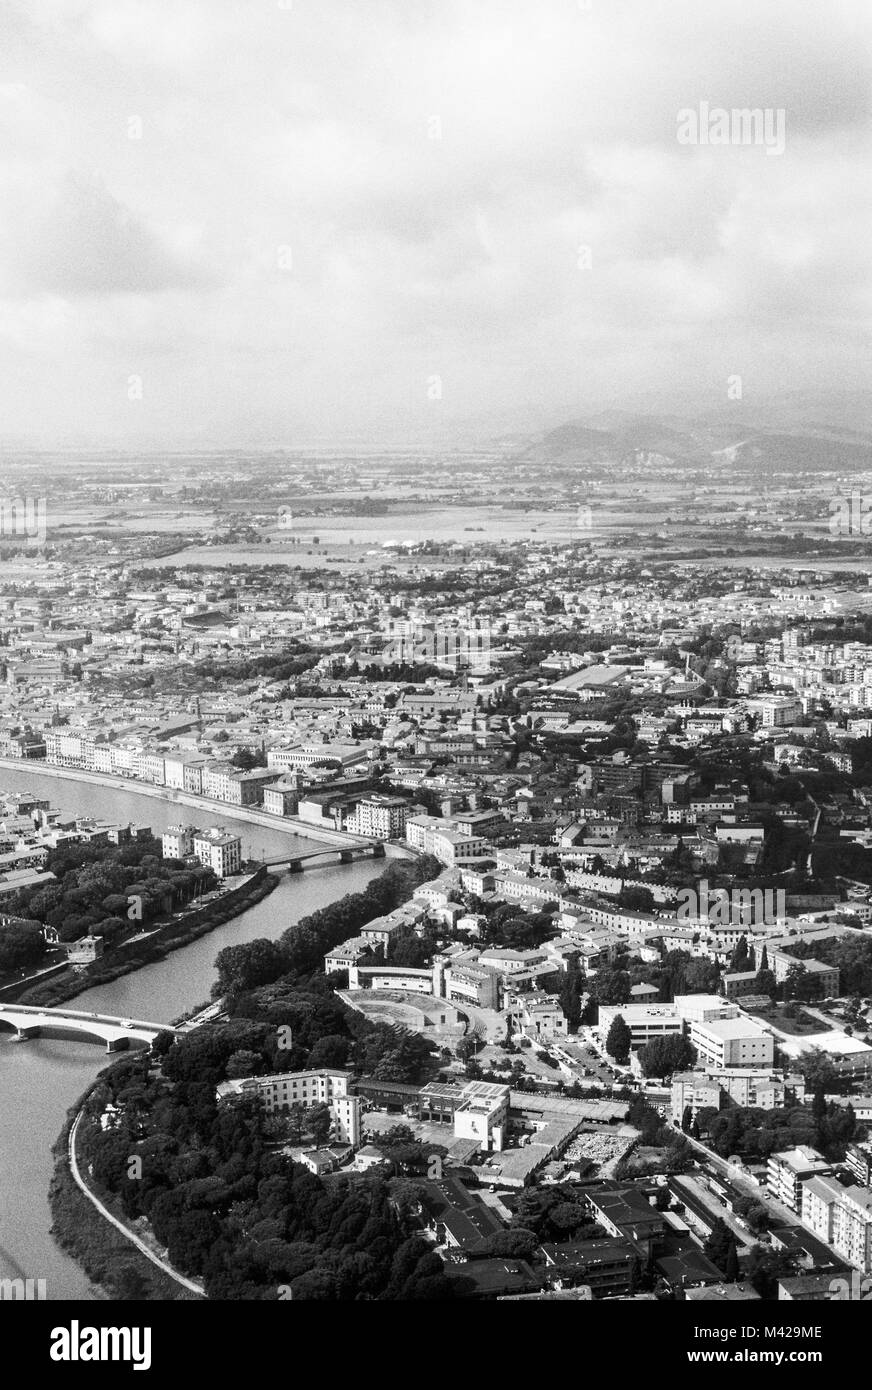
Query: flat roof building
x=732 y=1042
x=786 y=1171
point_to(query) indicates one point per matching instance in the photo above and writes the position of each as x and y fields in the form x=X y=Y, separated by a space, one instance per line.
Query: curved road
x=162 y=1265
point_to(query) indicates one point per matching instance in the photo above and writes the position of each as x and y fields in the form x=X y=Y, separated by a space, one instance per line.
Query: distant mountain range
x=769 y=440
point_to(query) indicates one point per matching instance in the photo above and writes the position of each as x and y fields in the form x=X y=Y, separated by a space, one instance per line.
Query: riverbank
x=155 y=947
x=112 y=1256
x=78 y=1225
x=41 y=1079
x=286 y=825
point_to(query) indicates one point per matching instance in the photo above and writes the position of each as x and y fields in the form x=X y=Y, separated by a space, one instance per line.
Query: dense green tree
x=618 y=1040
x=319 y=1121
x=570 y=996
x=21 y=945
x=765 y=983
x=611 y=986
x=242 y=1064
x=720 y=1247
x=245 y=966
x=663 y=1056
x=741 y=957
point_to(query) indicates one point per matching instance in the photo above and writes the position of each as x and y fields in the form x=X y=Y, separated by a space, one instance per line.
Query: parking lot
x=588 y=1061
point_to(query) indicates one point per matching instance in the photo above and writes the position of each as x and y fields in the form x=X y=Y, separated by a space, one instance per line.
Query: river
x=39 y=1080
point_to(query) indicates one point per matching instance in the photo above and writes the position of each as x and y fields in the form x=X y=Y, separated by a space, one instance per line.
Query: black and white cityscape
x=436 y=658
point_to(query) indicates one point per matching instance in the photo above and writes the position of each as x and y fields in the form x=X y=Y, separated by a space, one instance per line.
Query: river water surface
x=39 y=1080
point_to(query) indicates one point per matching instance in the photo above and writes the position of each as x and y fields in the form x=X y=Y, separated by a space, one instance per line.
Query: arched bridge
x=315 y=857
x=117 y=1033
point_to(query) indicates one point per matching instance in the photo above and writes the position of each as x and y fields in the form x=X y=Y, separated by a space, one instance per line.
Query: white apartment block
x=178 y=841
x=219 y=850
x=774 y=711
x=148 y=767
x=788 y=1170
x=379 y=817
x=706 y=1088
x=703 y=1008
x=347 y=1111
x=348 y=953
x=439 y=838
x=732 y=1042
x=516 y=887
x=225 y=783
x=281 y=1090
x=482 y=1114
x=103 y=759
x=841 y=1216
x=645 y=1021
x=469 y=983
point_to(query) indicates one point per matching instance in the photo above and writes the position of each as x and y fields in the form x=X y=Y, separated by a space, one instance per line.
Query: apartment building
x=427 y=704
x=347 y=1114
x=69 y=748
x=482 y=1114
x=104 y=760
x=25 y=745
x=178 y=768
x=476 y=880
x=225 y=783
x=193 y=775
x=775 y=711
x=703 y=1008
x=788 y=1170
x=469 y=983
x=380 y=930
x=732 y=1042
x=626 y=1214
x=826 y=977
x=178 y=841
x=606 y=1266
x=441 y=839
x=634 y=925
x=645 y=1021
x=345 y=955
x=280 y=1091
x=219 y=850
x=858 y=1159
x=841 y=1216
x=537 y=1015
x=738 y=984
x=148 y=766
x=517 y=887
x=380 y=817
x=281 y=799
x=706 y=1088
x=478 y=823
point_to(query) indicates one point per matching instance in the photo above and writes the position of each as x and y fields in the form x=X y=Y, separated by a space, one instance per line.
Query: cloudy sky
x=242 y=223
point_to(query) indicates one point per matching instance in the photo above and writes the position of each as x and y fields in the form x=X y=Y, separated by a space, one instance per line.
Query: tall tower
x=347 y=1112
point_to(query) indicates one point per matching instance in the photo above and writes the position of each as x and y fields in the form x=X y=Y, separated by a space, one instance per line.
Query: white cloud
x=311 y=128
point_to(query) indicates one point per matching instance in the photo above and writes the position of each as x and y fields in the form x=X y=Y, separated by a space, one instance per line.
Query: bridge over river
x=316 y=857
x=117 y=1033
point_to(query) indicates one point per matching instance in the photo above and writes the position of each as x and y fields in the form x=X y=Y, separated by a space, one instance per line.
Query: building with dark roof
x=457 y=1217
x=607 y=1266
x=742 y=1292
x=688 y=1268
x=625 y=1214
x=494 y=1277
x=806 y=1288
